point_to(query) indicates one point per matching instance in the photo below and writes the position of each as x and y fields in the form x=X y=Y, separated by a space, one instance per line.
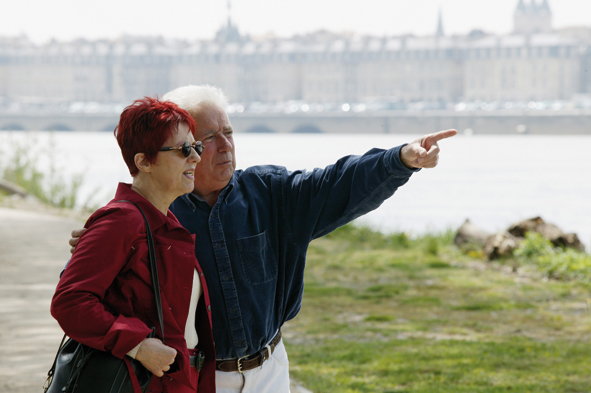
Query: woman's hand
x=155 y=356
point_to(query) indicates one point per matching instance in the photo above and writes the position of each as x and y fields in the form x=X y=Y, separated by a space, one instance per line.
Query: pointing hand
x=424 y=152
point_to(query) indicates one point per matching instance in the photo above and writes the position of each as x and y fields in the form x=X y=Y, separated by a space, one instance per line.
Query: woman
x=104 y=298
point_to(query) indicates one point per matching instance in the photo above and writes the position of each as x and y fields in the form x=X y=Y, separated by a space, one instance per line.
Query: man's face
x=218 y=160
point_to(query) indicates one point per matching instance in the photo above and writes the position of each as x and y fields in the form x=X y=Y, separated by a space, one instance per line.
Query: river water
x=492 y=180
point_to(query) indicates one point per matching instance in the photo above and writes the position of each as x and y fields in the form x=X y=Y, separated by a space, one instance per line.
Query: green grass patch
x=439 y=265
x=383 y=291
x=419 y=365
x=329 y=291
x=379 y=318
x=361 y=236
x=415 y=317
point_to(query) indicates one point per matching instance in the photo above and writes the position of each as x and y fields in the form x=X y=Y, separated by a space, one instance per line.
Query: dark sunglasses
x=186 y=148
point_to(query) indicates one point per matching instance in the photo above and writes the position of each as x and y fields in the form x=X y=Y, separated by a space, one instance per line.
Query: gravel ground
x=33 y=250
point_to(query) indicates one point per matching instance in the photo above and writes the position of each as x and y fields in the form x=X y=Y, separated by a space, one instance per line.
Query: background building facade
x=534 y=63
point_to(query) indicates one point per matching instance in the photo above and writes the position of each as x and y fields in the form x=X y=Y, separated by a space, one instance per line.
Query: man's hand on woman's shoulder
x=76 y=233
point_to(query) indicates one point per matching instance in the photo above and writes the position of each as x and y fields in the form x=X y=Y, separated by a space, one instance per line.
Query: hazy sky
x=191 y=19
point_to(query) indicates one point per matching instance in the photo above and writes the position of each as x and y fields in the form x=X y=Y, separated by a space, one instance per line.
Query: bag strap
x=52 y=369
x=153 y=269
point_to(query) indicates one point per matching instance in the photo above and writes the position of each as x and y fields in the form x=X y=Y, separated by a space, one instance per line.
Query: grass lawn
x=392 y=314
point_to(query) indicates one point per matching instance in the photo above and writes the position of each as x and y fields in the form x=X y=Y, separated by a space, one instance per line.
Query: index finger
x=442 y=135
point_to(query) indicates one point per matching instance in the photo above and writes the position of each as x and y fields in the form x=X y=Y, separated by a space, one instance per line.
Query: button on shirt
x=252 y=243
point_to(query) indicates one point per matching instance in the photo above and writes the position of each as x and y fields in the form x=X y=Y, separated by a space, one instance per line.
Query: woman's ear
x=142 y=163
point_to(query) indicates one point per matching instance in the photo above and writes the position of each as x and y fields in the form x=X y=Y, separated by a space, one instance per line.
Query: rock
x=519 y=229
x=469 y=233
x=572 y=240
x=500 y=245
x=548 y=231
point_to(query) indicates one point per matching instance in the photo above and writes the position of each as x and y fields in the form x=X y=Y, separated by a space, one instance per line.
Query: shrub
x=554 y=262
x=370 y=238
x=50 y=188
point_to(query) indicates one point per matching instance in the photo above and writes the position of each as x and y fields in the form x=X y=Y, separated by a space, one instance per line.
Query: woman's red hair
x=145 y=125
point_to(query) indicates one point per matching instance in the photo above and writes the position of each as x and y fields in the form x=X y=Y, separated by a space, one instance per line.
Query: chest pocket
x=257 y=259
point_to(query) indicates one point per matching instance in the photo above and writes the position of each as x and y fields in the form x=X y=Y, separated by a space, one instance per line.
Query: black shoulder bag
x=78 y=368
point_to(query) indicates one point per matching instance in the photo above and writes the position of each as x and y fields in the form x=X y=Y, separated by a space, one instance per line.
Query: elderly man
x=253 y=229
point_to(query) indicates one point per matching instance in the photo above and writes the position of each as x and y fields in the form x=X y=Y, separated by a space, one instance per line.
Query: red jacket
x=105 y=300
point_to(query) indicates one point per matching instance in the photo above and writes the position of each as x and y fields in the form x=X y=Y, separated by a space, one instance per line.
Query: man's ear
x=142 y=163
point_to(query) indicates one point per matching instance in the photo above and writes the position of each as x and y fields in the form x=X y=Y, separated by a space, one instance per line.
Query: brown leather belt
x=249 y=362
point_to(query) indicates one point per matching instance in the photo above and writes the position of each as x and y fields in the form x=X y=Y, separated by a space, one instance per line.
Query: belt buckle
x=240 y=364
x=262 y=352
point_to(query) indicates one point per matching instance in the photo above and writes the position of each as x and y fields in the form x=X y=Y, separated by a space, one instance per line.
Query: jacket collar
x=155 y=217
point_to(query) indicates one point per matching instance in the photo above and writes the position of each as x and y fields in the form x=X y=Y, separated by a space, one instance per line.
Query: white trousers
x=272 y=377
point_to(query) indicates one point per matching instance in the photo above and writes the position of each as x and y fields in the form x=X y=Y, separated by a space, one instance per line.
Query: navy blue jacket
x=252 y=244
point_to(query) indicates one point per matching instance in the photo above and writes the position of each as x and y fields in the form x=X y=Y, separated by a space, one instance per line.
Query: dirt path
x=33 y=250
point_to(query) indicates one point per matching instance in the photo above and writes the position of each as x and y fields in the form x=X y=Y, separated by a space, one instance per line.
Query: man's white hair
x=189 y=97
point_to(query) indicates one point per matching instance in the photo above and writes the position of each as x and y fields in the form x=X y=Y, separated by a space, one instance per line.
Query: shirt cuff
x=394 y=164
x=133 y=352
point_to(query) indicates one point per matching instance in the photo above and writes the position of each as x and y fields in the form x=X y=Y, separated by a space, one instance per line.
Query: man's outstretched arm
x=319 y=201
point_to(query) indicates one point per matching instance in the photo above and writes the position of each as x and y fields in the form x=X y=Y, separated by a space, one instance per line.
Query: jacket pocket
x=258 y=262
